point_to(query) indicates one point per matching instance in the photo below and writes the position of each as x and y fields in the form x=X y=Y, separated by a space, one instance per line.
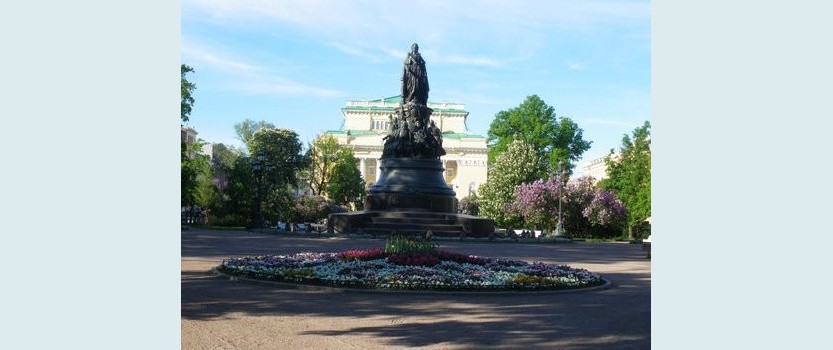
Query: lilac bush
x=587 y=210
x=311 y=208
x=605 y=210
x=536 y=202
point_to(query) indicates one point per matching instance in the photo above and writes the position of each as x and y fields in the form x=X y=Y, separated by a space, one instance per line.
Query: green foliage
x=580 y=211
x=246 y=130
x=323 y=155
x=345 y=185
x=186 y=88
x=195 y=170
x=518 y=164
x=629 y=175
x=282 y=156
x=311 y=208
x=469 y=205
x=281 y=205
x=406 y=245
x=554 y=139
x=234 y=187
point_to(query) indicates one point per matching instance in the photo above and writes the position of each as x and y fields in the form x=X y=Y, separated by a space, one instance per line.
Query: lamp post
x=259 y=167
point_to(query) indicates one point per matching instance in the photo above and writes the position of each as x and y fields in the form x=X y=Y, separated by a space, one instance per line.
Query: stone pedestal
x=411 y=184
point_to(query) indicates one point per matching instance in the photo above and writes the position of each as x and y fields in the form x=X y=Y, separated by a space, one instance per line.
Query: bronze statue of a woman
x=414 y=78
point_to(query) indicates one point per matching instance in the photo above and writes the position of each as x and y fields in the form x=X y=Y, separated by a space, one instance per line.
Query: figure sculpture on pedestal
x=412 y=134
x=414 y=78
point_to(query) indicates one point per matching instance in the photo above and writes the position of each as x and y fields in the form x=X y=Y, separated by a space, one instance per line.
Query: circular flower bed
x=434 y=270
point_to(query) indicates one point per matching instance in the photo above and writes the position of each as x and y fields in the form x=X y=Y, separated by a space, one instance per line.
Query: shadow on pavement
x=616 y=318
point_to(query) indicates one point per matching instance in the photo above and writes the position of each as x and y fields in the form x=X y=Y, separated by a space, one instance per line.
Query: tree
x=345 y=185
x=186 y=88
x=323 y=154
x=246 y=129
x=228 y=188
x=590 y=211
x=518 y=164
x=554 y=139
x=282 y=159
x=537 y=203
x=195 y=168
x=282 y=151
x=234 y=201
x=629 y=175
x=222 y=162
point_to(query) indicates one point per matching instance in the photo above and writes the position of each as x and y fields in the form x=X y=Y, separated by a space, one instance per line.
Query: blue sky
x=296 y=63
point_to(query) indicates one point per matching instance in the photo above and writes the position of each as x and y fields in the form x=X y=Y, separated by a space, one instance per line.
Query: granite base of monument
x=411 y=223
x=411 y=184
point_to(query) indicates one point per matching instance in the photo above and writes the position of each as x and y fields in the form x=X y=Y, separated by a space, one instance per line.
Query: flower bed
x=437 y=270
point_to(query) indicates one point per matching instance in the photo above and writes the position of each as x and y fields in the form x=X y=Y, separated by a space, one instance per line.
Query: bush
x=407 y=245
x=228 y=220
x=469 y=206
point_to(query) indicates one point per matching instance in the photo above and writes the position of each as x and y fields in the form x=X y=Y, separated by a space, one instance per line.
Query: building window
x=370 y=171
x=450 y=171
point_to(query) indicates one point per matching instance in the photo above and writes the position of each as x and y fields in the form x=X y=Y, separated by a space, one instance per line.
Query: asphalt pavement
x=221 y=314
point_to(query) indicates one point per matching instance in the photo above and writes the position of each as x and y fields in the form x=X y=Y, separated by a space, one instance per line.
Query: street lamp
x=259 y=167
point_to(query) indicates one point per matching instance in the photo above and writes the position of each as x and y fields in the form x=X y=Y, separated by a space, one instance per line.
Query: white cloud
x=356 y=51
x=393 y=53
x=284 y=87
x=246 y=77
x=469 y=60
x=215 y=60
x=576 y=66
x=444 y=25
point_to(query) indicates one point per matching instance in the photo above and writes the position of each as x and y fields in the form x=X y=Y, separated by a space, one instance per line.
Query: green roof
x=395 y=101
x=352 y=132
x=447 y=134
x=459 y=135
x=390 y=109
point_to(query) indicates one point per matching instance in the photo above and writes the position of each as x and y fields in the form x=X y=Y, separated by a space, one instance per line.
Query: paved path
x=223 y=314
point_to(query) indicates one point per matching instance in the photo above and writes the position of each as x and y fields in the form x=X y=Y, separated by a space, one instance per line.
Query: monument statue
x=412 y=133
x=410 y=193
x=414 y=78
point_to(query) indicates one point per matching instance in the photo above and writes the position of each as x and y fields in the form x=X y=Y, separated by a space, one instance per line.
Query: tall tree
x=323 y=155
x=223 y=159
x=518 y=164
x=282 y=158
x=246 y=129
x=629 y=175
x=187 y=88
x=553 y=138
x=194 y=169
x=346 y=186
x=282 y=154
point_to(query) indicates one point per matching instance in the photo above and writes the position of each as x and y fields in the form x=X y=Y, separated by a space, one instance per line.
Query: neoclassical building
x=366 y=124
x=595 y=168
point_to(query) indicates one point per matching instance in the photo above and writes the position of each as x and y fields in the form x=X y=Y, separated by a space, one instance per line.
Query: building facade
x=189 y=135
x=366 y=123
x=596 y=168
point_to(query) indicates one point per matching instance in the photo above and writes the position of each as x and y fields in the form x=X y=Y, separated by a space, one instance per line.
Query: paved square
x=223 y=314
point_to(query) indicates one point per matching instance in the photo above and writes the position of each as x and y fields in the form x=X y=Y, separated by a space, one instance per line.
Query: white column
x=362 y=164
